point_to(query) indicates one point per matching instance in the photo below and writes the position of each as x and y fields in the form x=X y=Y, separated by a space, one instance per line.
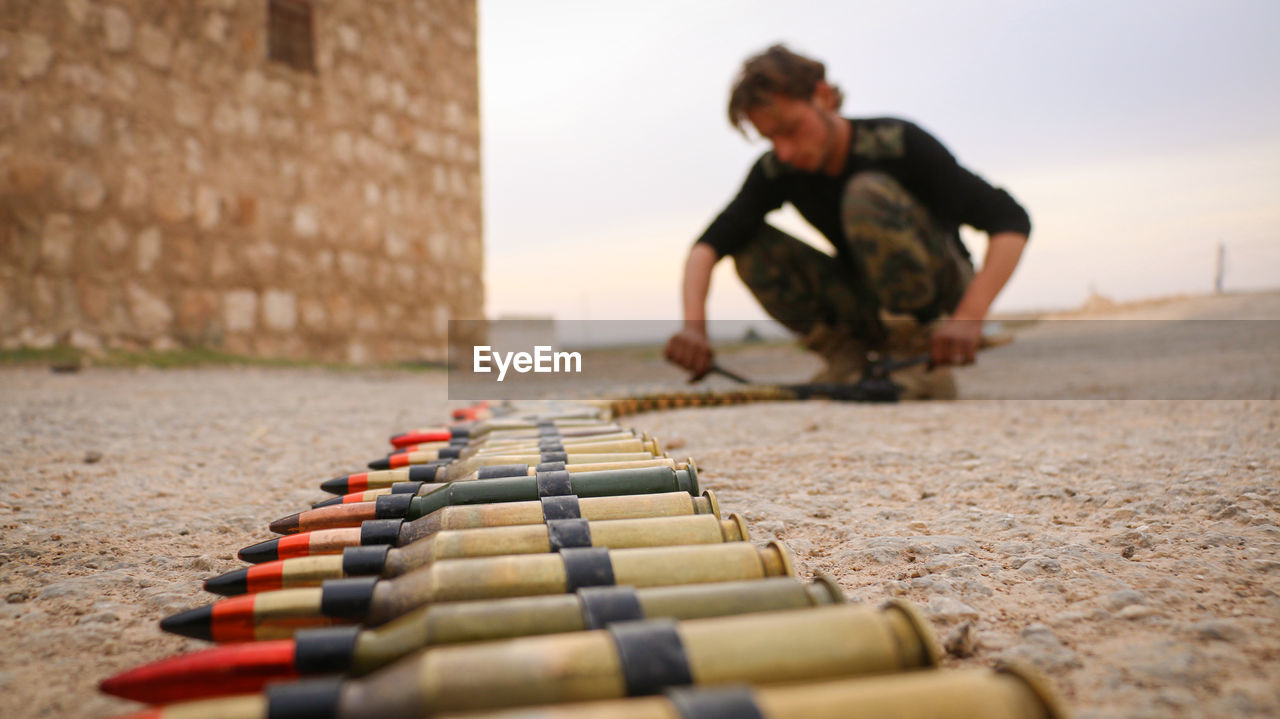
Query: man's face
x=801 y=131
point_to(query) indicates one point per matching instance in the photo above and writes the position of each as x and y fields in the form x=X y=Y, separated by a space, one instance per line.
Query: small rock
x=1129 y=551
x=65 y=588
x=169 y=601
x=33 y=56
x=18 y=597
x=773 y=527
x=1223 y=630
x=99 y=618
x=1116 y=601
x=1167 y=662
x=1043 y=649
x=1136 y=611
x=1034 y=565
x=948 y=610
x=1132 y=537
x=118 y=29
x=961 y=642
x=93 y=456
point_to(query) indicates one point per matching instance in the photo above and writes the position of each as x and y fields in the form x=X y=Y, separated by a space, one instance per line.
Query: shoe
x=920 y=382
x=907 y=339
x=844 y=358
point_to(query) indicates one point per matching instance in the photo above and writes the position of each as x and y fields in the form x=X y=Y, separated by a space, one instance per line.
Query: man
x=890 y=199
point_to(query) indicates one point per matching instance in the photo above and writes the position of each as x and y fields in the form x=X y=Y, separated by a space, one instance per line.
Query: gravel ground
x=1127 y=547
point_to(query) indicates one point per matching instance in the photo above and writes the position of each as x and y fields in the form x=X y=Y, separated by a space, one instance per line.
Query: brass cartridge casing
x=522 y=539
x=561 y=431
x=613 y=442
x=588 y=418
x=278 y=614
x=522 y=575
x=488 y=620
x=625 y=452
x=569 y=443
x=776 y=647
x=1010 y=691
x=504 y=514
x=501 y=514
x=593 y=466
x=460 y=468
x=386 y=478
x=535 y=539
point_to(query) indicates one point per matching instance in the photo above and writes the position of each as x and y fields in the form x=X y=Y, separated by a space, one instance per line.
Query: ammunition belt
x=610 y=594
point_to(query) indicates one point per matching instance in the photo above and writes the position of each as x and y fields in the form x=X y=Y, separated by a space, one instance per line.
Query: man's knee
x=766 y=250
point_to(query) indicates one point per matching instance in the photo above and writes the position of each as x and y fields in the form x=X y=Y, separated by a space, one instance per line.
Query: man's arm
x=690 y=348
x=956 y=341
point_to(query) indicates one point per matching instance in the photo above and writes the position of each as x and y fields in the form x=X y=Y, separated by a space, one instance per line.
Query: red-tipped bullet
x=233 y=669
x=346 y=484
x=303 y=544
x=365 y=496
x=294 y=545
x=417 y=436
x=361 y=481
x=275 y=615
x=474 y=412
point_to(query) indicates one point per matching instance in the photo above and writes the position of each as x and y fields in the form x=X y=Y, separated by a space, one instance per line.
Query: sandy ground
x=1128 y=547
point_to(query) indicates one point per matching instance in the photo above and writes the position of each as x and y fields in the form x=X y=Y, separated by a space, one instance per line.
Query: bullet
x=562 y=443
x=385 y=561
x=533 y=443
x=491 y=472
x=616 y=451
x=361 y=481
x=644 y=450
x=519 y=437
x=1011 y=690
x=550 y=424
x=400 y=532
x=472 y=412
x=642 y=480
x=248 y=666
x=630 y=658
x=278 y=614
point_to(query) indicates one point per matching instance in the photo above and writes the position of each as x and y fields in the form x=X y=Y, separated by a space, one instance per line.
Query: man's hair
x=775 y=71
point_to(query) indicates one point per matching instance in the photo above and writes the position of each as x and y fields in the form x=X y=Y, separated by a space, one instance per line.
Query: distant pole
x=1222 y=262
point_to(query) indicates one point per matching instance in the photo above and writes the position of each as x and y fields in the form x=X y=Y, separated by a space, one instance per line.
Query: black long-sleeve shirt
x=952 y=194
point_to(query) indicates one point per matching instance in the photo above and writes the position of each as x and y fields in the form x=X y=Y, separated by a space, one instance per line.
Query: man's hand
x=955 y=341
x=690 y=349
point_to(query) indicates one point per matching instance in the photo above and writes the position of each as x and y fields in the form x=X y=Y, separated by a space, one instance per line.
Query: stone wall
x=163 y=184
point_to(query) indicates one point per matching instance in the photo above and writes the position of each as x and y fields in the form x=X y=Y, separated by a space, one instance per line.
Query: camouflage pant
x=906 y=263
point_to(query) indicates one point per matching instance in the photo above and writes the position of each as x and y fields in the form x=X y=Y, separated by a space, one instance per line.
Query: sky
x=1139 y=134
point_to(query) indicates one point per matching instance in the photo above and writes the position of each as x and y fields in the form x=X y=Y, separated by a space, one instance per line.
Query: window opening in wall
x=290 y=35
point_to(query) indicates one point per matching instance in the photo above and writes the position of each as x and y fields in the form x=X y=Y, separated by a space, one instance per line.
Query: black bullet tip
x=195 y=623
x=322 y=503
x=260 y=552
x=234 y=582
x=337 y=485
x=383 y=463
